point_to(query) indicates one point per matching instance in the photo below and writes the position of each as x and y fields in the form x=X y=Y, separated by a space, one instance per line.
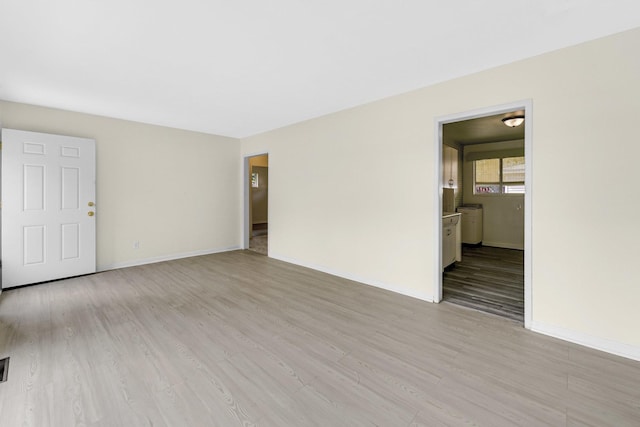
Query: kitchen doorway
x=471 y=134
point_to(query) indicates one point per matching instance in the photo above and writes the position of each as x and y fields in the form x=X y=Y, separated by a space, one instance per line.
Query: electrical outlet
x=136 y=245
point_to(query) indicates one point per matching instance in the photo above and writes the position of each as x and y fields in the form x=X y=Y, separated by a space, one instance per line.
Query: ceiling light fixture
x=513 y=121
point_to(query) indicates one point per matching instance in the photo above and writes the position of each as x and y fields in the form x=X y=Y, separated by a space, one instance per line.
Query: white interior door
x=48 y=209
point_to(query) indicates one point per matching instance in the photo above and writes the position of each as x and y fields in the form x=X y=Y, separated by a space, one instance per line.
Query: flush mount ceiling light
x=513 y=121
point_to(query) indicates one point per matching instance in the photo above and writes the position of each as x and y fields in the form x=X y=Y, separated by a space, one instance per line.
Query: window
x=499 y=176
x=255 y=180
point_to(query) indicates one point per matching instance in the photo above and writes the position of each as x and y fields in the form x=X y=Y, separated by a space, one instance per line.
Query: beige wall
x=353 y=192
x=174 y=191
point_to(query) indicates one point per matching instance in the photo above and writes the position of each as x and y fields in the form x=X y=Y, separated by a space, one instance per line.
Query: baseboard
x=502 y=245
x=355 y=278
x=602 y=344
x=162 y=258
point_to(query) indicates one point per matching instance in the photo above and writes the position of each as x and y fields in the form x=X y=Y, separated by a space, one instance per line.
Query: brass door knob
x=91 y=203
x=90 y=213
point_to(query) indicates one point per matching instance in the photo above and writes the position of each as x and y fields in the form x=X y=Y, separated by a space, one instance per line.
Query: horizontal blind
x=487 y=171
x=513 y=169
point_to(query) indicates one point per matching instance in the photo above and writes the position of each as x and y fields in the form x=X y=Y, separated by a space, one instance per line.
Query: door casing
x=527 y=106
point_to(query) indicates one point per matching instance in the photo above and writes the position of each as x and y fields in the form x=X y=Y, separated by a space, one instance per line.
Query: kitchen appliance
x=471 y=223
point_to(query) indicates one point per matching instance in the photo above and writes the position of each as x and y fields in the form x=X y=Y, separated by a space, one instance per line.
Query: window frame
x=501 y=184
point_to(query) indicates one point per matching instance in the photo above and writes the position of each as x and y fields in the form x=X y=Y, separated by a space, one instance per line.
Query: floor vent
x=4 y=369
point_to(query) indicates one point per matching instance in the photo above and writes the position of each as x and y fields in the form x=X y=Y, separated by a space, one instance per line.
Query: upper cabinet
x=450 y=167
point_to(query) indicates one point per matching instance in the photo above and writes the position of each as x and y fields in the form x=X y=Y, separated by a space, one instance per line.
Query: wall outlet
x=136 y=245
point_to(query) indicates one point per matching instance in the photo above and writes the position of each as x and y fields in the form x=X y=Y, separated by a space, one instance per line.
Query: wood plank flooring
x=487 y=279
x=239 y=339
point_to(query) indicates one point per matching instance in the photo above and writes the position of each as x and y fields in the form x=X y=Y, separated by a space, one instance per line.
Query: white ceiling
x=241 y=67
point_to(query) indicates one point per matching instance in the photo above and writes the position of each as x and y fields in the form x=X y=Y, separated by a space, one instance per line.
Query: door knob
x=91 y=203
x=90 y=213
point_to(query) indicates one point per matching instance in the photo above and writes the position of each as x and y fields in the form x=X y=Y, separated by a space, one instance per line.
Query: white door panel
x=48 y=191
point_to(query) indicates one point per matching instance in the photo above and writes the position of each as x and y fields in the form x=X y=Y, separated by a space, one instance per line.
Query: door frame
x=246 y=185
x=527 y=106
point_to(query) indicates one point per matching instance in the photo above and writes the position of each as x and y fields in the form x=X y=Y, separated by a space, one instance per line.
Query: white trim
x=437 y=218
x=245 y=203
x=602 y=344
x=527 y=106
x=528 y=209
x=377 y=284
x=162 y=258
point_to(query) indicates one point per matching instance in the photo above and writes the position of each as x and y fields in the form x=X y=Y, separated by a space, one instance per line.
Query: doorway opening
x=257 y=204
x=484 y=211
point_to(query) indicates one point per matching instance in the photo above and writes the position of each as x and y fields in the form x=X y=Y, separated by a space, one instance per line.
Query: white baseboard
x=171 y=257
x=502 y=245
x=602 y=344
x=355 y=278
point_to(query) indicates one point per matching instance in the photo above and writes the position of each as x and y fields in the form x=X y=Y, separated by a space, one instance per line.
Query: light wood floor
x=487 y=279
x=241 y=339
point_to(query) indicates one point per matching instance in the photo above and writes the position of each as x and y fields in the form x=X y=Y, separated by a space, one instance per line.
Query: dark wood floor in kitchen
x=487 y=279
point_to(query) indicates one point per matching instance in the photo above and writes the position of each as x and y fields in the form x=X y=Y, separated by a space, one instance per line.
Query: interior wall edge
x=361 y=280
x=153 y=260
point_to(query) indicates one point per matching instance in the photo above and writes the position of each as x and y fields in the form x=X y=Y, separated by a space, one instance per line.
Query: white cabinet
x=450 y=240
x=471 y=224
